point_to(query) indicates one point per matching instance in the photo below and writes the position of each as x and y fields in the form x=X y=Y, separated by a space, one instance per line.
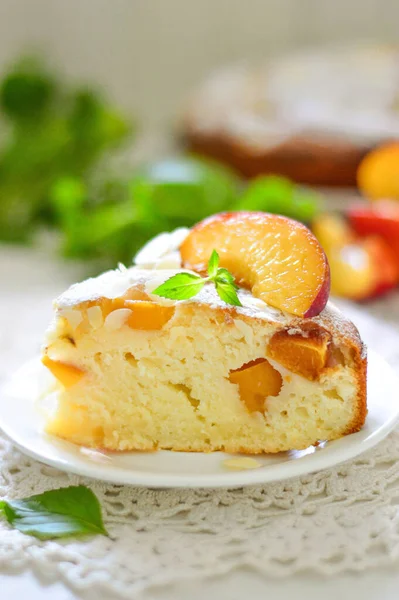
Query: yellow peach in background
x=353 y=273
x=378 y=173
x=332 y=230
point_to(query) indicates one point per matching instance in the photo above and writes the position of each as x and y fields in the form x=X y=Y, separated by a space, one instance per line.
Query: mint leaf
x=180 y=287
x=227 y=292
x=213 y=264
x=186 y=285
x=224 y=275
x=74 y=510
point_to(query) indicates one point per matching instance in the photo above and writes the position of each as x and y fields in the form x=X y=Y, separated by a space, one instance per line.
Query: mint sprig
x=187 y=285
x=73 y=510
x=181 y=286
x=213 y=264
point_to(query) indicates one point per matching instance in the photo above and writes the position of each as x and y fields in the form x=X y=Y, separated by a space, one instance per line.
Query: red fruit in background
x=381 y=218
x=385 y=263
x=361 y=268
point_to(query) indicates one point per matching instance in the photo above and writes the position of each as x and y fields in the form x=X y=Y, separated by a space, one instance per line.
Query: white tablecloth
x=29 y=281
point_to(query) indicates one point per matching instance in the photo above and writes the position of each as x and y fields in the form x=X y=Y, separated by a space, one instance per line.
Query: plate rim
x=334 y=453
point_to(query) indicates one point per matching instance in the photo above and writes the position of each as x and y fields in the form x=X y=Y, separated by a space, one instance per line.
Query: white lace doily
x=345 y=518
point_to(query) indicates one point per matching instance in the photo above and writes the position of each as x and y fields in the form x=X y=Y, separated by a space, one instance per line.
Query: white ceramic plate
x=21 y=421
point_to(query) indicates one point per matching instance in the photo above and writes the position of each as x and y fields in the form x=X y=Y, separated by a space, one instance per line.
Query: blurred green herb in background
x=49 y=132
x=275 y=194
x=114 y=218
x=55 y=141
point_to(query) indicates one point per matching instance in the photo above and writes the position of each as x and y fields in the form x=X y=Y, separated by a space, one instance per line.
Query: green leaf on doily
x=69 y=511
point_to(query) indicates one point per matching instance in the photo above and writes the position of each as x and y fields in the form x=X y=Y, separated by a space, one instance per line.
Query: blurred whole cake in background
x=311 y=116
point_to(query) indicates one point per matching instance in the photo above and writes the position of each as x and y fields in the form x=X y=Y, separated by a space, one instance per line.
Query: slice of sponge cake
x=139 y=372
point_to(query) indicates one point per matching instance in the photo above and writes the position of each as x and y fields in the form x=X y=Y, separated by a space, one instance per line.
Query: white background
x=148 y=53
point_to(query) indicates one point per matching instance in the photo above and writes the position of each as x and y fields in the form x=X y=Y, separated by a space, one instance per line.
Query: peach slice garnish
x=277 y=258
x=66 y=374
x=257 y=380
x=306 y=356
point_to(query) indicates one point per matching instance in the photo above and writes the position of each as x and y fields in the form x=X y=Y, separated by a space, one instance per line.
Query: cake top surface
x=115 y=283
x=160 y=260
